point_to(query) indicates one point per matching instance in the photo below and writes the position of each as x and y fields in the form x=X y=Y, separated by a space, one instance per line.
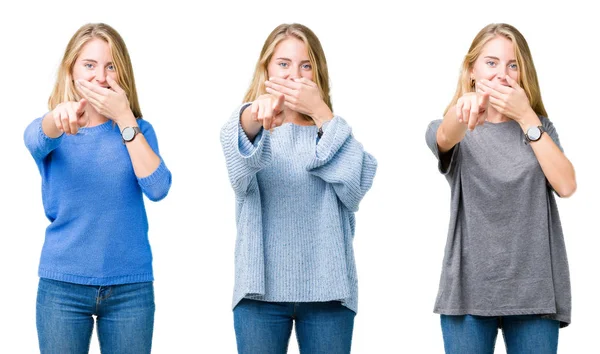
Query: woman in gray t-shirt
x=505 y=263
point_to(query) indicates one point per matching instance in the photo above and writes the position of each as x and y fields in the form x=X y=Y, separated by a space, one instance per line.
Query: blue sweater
x=98 y=232
x=295 y=203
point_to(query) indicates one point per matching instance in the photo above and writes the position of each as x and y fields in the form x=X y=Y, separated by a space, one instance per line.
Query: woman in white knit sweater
x=298 y=176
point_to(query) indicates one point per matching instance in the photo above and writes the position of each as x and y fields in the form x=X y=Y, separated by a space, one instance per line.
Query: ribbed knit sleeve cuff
x=156 y=186
x=45 y=140
x=246 y=147
x=243 y=158
x=37 y=142
x=255 y=153
x=335 y=134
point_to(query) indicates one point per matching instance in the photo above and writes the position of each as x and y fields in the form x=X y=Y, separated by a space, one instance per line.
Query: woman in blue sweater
x=97 y=158
x=298 y=175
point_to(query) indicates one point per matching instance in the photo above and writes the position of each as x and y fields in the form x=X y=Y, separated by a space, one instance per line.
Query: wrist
x=49 y=127
x=530 y=119
x=246 y=117
x=127 y=120
x=250 y=126
x=322 y=116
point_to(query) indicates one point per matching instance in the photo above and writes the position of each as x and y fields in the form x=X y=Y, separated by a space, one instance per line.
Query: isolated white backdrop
x=393 y=68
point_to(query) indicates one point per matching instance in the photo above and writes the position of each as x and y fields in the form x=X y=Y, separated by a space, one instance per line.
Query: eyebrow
x=93 y=61
x=287 y=59
x=496 y=58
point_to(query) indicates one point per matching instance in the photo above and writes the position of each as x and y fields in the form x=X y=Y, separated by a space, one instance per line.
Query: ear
x=472 y=73
x=472 y=79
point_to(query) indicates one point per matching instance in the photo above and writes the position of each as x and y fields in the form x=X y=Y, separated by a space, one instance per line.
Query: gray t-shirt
x=505 y=252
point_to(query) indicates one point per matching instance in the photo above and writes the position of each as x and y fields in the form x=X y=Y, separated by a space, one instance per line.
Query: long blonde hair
x=316 y=57
x=64 y=89
x=527 y=75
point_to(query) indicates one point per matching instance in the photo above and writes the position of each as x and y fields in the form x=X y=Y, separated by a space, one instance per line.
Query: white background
x=393 y=69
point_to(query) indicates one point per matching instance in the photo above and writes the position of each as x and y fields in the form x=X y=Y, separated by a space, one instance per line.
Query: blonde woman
x=505 y=264
x=298 y=175
x=97 y=158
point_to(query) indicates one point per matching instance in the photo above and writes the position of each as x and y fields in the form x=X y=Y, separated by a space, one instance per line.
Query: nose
x=502 y=73
x=100 y=76
x=294 y=73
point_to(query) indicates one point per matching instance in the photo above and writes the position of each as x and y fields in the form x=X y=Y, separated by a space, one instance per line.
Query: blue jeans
x=124 y=317
x=477 y=334
x=265 y=327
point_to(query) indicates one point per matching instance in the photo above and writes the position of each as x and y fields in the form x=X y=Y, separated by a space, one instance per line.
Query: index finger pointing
x=278 y=107
x=81 y=107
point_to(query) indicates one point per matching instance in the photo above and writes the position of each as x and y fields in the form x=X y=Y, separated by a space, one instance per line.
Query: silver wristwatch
x=534 y=133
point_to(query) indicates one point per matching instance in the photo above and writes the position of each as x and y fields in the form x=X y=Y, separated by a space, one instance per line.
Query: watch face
x=534 y=133
x=128 y=133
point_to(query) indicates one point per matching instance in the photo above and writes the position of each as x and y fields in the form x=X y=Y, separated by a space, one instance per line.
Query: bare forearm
x=450 y=132
x=556 y=167
x=49 y=127
x=251 y=128
x=322 y=115
x=143 y=158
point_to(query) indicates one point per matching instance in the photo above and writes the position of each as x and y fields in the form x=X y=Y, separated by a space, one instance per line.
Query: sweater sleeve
x=341 y=161
x=38 y=143
x=155 y=186
x=243 y=157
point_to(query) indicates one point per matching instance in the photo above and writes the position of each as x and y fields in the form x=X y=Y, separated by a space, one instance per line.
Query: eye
x=491 y=63
x=513 y=66
x=307 y=66
x=283 y=64
x=88 y=65
x=111 y=67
